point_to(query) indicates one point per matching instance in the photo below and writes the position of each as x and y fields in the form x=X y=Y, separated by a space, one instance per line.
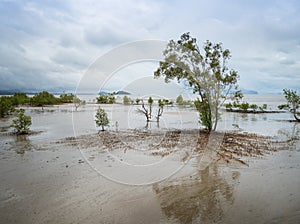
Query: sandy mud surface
x=134 y=176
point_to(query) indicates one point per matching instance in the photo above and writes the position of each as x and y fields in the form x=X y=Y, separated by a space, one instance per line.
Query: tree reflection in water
x=289 y=138
x=202 y=198
x=21 y=144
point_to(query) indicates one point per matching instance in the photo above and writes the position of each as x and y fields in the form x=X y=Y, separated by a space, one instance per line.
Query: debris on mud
x=228 y=146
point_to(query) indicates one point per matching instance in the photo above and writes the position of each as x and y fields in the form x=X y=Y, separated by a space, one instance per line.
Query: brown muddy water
x=67 y=173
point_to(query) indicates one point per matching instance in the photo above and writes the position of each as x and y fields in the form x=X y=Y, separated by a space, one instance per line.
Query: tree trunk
x=216 y=120
x=150 y=111
x=295 y=116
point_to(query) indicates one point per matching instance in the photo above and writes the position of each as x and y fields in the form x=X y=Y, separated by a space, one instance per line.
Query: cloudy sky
x=50 y=45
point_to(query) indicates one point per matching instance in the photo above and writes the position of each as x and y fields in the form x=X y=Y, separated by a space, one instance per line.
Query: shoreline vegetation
x=231 y=147
x=59 y=190
x=255 y=111
x=10 y=105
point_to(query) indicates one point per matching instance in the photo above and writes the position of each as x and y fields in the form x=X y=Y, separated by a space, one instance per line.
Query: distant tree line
x=106 y=98
x=41 y=99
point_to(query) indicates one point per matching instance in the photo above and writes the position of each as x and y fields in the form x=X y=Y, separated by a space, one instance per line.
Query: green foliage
x=283 y=106
x=137 y=101
x=254 y=107
x=263 y=107
x=179 y=100
x=77 y=102
x=228 y=106
x=169 y=102
x=205 y=73
x=161 y=104
x=147 y=111
x=102 y=98
x=106 y=99
x=126 y=100
x=43 y=98
x=165 y=102
x=236 y=104
x=204 y=113
x=67 y=98
x=150 y=100
x=244 y=106
x=101 y=118
x=238 y=95
x=21 y=123
x=20 y=99
x=70 y=98
x=293 y=102
x=6 y=106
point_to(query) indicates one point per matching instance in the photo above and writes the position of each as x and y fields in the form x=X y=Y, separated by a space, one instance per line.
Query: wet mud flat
x=229 y=147
x=135 y=176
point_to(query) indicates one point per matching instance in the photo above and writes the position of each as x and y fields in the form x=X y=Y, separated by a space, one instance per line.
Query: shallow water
x=45 y=181
x=63 y=121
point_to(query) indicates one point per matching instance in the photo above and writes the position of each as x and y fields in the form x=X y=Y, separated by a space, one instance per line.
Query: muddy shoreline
x=151 y=176
x=229 y=146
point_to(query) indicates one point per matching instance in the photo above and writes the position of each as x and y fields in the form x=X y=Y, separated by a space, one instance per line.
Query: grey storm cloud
x=51 y=44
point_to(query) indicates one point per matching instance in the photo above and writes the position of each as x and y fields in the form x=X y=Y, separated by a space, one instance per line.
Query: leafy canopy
x=106 y=99
x=101 y=118
x=293 y=102
x=43 y=98
x=21 y=123
x=6 y=106
x=206 y=73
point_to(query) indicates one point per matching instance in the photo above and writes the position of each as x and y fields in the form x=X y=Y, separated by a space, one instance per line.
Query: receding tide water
x=46 y=180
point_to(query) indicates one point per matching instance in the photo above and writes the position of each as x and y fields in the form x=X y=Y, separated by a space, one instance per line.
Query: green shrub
x=6 y=106
x=67 y=97
x=21 y=123
x=244 y=106
x=179 y=100
x=20 y=99
x=228 y=106
x=44 y=98
x=106 y=98
x=126 y=100
x=101 y=118
x=253 y=107
x=204 y=113
x=137 y=101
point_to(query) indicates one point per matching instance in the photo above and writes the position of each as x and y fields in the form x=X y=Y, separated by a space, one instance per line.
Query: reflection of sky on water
x=57 y=121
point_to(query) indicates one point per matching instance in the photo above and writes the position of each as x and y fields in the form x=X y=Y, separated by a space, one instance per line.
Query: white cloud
x=51 y=44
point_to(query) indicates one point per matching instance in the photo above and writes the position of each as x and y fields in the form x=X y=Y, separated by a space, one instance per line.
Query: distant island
x=248 y=91
x=30 y=92
x=120 y=92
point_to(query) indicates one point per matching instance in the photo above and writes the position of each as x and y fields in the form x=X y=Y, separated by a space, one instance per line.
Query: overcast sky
x=51 y=44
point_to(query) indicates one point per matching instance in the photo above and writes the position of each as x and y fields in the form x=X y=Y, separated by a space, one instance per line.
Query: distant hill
x=121 y=92
x=34 y=91
x=6 y=92
x=247 y=91
x=103 y=92
x=12 y=92
x=116 y=93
